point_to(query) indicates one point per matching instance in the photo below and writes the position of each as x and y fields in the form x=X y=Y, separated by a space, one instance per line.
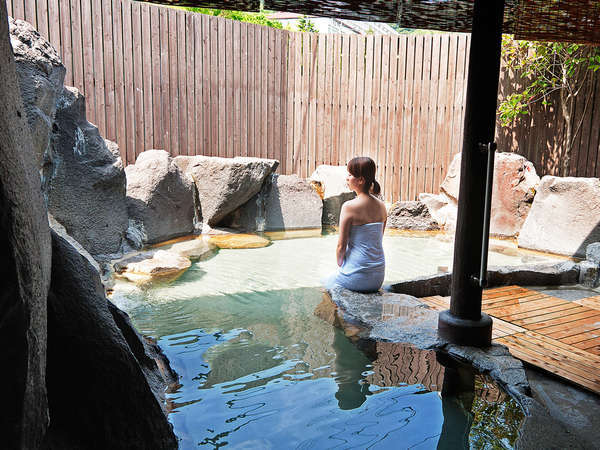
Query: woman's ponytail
x=376 y=188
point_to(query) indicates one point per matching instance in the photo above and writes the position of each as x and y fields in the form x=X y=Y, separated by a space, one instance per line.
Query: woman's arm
x=345 y=224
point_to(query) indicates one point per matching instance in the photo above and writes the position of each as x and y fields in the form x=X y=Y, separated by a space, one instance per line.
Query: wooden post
x=464 y=323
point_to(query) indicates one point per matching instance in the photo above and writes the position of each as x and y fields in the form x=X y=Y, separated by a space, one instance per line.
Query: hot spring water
x=259 y=370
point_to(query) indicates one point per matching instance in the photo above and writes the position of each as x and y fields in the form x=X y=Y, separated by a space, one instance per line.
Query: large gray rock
x=85 y=181
x=592 y=253
x=515 y=183
x=25 y=250
x=564 y=217
x=411 y=215
x=41 y=75
x=115 y=372
x=160 y=197
x=286 y=202
x=225 y=184
x=330 y=182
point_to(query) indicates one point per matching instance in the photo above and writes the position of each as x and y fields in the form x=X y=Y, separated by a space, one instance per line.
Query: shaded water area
x=259 y=370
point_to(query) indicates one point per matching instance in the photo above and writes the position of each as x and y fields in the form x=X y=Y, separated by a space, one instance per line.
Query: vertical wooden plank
x=344 y=129
x=298 y=113
x=157 y=117
x=146 y=70
x=335 y=122
x=121 y=137
x=375 y=98
x=18 y=9
x=97 y=37
x=451 y=95
x=277 y=124
x=258 y=92
x=251 y=89
x=88 y=57
x=30 y=12
x=265 y=91
x=384 y=118
x=459 y=92
x=283 y=48
x=173 y=82
x=9 y=9
x=320 y=147
x=53 y=22
x=312 y=102
x=392 y=115
x=228 y=89
x=328 y=118
x=423 y=123
x=42 y=17
x=207 y=87
x=407 y=131
x=305 y=109
x=214 y=85
x=190 y=88
x=65 y=43
x=368 y=105
x=415 y=162
x=399 y=129
x=198 y=84
x=128 y=88
x=109 y=76
x=270 y=89
x=442 y=105
x=291 y=72
x=360 y=96
x=433 y=112
x=138 y=84
x=77 y=48
x=182 y=83
x=237 y=56
x=352 y=97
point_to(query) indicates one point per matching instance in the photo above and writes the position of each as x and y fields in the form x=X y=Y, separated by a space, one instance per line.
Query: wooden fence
x=158 y=77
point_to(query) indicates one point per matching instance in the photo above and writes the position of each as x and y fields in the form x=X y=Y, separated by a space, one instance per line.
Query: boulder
x=160 y=197
x=194 y=249
x=160 y=265
x=41 y=75
x=85 y=180
x=330 y=183
x=239 y=241
x=225 y=184
x=515 y=182
x=411 y=215
x=25 y=252
x=286 y=202
x=564 y=217
x=443 y=209
x=116 y=406
x=589 y=274
x=592 y=253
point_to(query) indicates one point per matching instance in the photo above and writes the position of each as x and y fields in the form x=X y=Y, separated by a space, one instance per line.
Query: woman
x=362 y=221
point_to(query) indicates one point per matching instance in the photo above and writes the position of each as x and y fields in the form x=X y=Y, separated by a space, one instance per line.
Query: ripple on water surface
x=259 y=370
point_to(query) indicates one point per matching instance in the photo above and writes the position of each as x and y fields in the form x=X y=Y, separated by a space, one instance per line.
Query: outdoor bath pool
x=258 y=369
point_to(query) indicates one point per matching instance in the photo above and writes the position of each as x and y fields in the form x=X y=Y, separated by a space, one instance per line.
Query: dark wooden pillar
x=464 y=323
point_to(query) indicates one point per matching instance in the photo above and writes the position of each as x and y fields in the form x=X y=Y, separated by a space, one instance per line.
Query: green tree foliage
x=307 y=25
x=548 y=71
x=258 y=18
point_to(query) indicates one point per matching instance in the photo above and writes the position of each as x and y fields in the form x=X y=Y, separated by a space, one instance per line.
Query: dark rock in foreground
x=99 y=374
x=25 y=251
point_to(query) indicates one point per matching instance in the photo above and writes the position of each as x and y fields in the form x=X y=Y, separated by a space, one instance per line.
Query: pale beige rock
x=330 y=184
x=161 y=265
x=238 y=241
x=564 y=217
x=194 y=249
x=515 y=182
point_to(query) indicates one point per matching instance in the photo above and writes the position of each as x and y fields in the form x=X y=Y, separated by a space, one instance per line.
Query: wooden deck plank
x=589 y=302
x=573 y=318
x=532 y=305
x=539 y=315
x=514 y=300
x=588 y=343
x=570 y=329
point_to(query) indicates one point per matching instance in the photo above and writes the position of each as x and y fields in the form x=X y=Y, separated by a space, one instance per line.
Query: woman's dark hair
x=363 y=166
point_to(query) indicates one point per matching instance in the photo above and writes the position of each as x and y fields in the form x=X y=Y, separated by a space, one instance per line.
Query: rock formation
x=85 y=180
x=330 y=181
x=411 y=215
x=160 y=198
x=285 y=202
x=564 y=217
x=26 y=252
x=225 y=184
x=41 y=75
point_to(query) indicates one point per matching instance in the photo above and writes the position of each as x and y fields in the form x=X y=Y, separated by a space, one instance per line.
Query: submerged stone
x=238 y=241
x=161 y=265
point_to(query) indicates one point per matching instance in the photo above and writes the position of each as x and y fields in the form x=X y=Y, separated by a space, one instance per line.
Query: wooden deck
x=560 y=336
